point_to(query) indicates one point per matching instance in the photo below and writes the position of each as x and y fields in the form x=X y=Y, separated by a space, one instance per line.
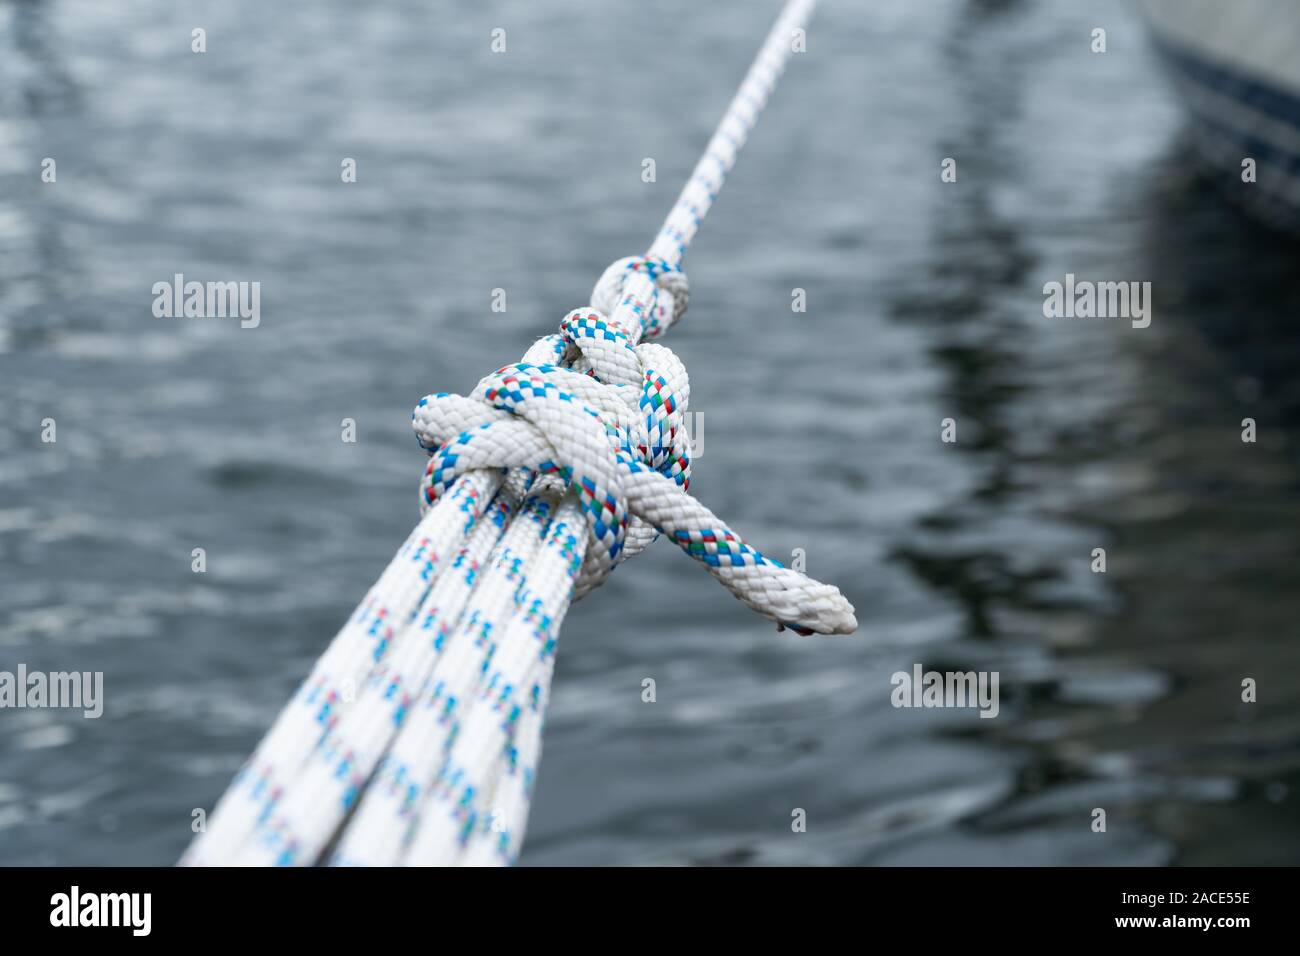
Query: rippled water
x=822 y=429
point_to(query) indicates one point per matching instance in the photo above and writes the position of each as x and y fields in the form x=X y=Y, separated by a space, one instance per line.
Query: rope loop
x=592 y=410
x=584 y=409
x=657 y=316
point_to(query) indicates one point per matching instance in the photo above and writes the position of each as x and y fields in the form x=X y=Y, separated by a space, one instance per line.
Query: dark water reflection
x=1119 y=690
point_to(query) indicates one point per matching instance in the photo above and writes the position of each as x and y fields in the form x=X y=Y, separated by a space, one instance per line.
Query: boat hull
x=1237 y=67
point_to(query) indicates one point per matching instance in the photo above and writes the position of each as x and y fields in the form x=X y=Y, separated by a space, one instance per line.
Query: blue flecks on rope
x=417 y=736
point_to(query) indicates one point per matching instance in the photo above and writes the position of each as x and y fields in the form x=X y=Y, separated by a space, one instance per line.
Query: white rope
x=416 y=738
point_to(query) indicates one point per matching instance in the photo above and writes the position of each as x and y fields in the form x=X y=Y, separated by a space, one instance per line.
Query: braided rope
x=416 y=738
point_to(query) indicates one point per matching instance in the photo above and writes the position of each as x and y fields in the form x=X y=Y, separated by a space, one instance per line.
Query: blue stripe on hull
x=1258 y=94
x=1231 y=134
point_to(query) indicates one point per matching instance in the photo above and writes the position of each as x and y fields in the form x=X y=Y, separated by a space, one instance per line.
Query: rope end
x=836 y=618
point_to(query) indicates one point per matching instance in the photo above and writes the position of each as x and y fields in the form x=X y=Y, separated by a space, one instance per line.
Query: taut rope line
x=416 y=737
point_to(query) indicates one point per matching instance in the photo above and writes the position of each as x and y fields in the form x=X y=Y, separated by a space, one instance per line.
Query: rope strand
x=416 y=738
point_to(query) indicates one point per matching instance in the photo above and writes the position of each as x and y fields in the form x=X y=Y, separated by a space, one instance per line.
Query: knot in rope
x=417 y=736
x=583 y=409
x=593 y=410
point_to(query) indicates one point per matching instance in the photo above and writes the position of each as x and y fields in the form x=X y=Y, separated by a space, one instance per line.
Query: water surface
x=522 y=171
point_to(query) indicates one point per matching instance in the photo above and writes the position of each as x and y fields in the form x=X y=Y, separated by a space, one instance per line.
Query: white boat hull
x=1237 y=66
